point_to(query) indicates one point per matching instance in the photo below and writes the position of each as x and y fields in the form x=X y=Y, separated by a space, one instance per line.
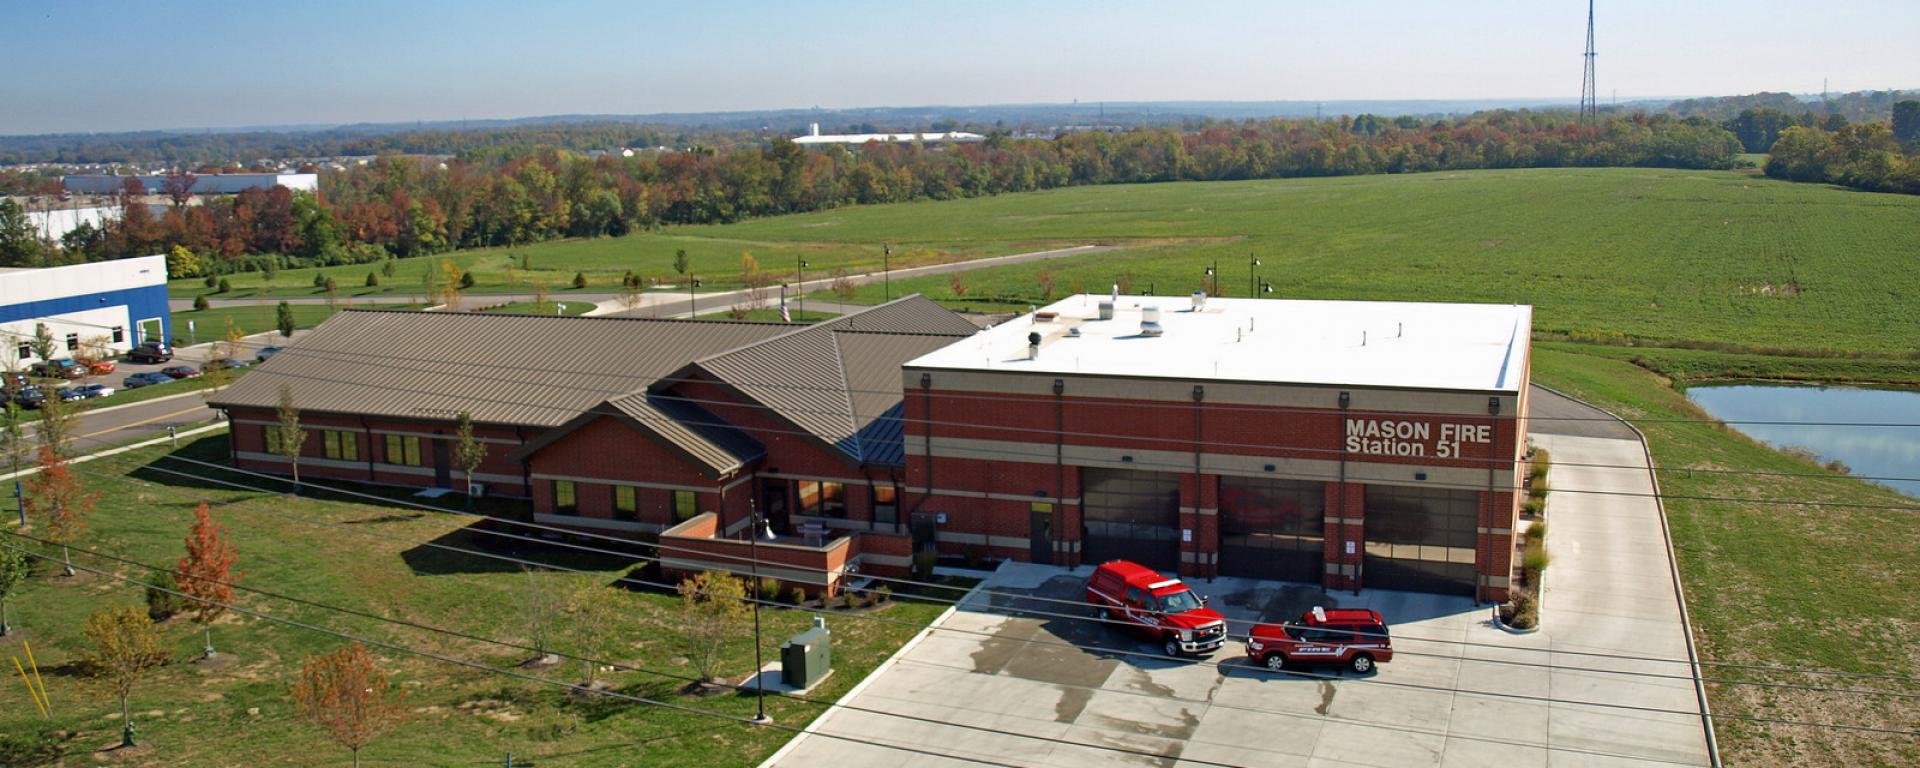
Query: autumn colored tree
x=122 y=644
x=346 y=695
x=178 y=186
x=206 y=573
x=449 y=284
x=287 y=437
x=468 y=452
x=55 y=492
x=714 y=611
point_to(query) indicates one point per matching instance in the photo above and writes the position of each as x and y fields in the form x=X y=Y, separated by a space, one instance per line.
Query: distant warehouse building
x=1346 y=443
x=209 y=184
x=814 y=137
x=116 y=304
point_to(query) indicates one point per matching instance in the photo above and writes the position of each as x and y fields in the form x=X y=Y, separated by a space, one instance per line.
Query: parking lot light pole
x=753 y=598
x=886 y=270
x=1253 y=263
x=692 y=311
x=1213 y=282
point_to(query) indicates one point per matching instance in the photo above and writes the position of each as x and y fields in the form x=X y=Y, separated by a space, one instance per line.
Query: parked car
x=59 y=369
x=149 y=378
x=1159 y=606
x=95 y=390
x=268 y=351
x=222 y=363
x=14 y=380
x=1355 y=638
x=96 y=367
x=30 y=397
x=150 y=352
x=70 y=394
x=180 y=371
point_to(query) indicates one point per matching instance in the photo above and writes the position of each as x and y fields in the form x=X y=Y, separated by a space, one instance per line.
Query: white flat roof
x=1412 y=345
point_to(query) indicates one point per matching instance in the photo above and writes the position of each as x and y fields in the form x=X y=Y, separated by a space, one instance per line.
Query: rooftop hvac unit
x=1150 y=321
x=1106 y=310
x=1199 y=300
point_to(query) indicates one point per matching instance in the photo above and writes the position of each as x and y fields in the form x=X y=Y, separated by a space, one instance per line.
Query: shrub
x=466 y=280
x=1537 y=531
x=373 y=280
x=319 y=280
x=211 y=281
x=1533 y=506
x=798 y=596
x=882 y=595
x=329 y=284
x=200 y=303
x=769 y=588
x=1522 y=611
x=1539 y=489
x=579 y=279
x=161 y=604
x=388 y=268
x=224 y=286
x=1535 y=559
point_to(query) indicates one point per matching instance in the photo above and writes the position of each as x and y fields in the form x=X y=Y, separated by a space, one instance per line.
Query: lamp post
x=1266 y=286
x=1253 y=263
x=800 y=282
x=1213 y=283
x=692 y=310
x=754 y=523
x=886 y=270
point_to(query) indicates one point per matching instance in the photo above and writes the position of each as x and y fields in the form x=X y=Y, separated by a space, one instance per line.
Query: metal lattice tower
x=1589 y=94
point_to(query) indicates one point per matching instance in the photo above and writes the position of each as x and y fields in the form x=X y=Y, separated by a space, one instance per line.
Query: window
x=341 y=445
x=823 y=499
x=26 y=352
x=73 y=342
x=684 y=505
x=403 y=450
x=119 y=334
x=886 y=504
x=564 y=501
x=626 y=502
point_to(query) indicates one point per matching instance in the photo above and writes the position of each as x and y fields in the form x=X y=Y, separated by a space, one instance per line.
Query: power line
x=1102 y=649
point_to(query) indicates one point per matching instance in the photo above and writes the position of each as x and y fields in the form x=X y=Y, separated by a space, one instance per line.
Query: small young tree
x=291 y=438
x=13 y=436
x=206 y=573
x=714 y=611
x=389 y=268
x=200 y=304
x=682 y=262
x=631 y=294
x=42 y=342
x=13 y=571
x=842 y=286
x=749 y=267
x=540 y=606
x=466 y=280
x=122 y=644
x=957 y=282
x=594 y=613
x=346 y=695
x=55 y=420
x=1045 y=279
x=268 y=271
x=283 y=319
x=541 y=304
x=373 y=280
x=468 y=451
x=224 y=287
x=55 y=492
x=579 y=280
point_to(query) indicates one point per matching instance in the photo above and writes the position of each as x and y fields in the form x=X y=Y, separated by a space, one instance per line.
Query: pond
x=1871 y=451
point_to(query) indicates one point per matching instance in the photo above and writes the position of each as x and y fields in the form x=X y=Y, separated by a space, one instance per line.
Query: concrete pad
x=1350 y=744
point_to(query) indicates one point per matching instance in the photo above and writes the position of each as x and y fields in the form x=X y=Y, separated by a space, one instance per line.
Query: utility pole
x=800 y=283
x=1589 y=94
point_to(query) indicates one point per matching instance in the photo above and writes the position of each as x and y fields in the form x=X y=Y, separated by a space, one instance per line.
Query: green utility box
x=808 y=657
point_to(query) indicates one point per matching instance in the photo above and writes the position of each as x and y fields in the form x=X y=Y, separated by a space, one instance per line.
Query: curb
x=814 y=726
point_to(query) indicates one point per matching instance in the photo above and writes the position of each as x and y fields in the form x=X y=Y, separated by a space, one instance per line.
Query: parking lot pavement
x=1009 y=678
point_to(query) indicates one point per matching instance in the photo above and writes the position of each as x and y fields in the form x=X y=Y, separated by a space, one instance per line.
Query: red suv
x=1160 y=606
x=1355 y=638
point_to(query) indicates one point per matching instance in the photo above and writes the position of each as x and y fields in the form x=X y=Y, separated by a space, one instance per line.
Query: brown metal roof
x=526 y=370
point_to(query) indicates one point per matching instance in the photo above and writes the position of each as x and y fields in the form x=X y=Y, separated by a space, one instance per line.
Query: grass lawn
x=1776 y=584
x=771 y=316
x=210 y=324
x=552 y=307
x=238 y=712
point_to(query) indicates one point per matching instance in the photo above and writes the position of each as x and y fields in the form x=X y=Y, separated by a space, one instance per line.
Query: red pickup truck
x=1352 y=637
x=1160 y=606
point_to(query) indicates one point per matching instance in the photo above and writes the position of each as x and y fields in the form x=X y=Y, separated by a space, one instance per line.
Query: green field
x=551 y=307
x=238 y=712
x=210 y=324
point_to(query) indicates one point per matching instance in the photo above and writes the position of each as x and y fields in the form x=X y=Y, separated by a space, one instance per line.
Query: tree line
x=1875 y=157
x=408 y=206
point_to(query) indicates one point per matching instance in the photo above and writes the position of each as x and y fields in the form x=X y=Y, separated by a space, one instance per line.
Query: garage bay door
x=1420 y=539
x=1272 y=529
x=1132 y=516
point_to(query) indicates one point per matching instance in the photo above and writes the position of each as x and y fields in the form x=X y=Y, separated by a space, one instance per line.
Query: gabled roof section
x=697 y=435
x=522 y=370
x=837 y=381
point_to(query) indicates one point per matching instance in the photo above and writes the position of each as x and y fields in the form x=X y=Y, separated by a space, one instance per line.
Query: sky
x=116 y=66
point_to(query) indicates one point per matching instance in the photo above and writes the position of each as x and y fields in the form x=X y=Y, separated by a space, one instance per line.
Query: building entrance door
x=442 y=474
x=1040 y=548
x=1131 y=516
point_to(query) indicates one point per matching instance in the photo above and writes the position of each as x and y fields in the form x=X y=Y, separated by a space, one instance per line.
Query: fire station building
x=1354 y=444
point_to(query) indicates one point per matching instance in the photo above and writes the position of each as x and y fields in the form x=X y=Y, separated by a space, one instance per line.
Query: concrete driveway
x=999 y=681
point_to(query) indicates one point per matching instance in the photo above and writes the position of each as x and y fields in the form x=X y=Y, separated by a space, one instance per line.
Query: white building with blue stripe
x=102 y=305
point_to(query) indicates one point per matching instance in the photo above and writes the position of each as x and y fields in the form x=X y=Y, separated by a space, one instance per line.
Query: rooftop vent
x=1033 y=346
x=1150 y=321
x=1199 y=300
x=1106 y=310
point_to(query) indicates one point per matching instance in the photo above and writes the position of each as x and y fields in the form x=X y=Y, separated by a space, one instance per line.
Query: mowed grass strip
x=195 y=714
x=1797 y=584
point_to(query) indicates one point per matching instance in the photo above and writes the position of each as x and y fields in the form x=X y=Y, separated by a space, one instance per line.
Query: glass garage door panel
x=1420 y=539
x=1272 y=529
x=1132 y=516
